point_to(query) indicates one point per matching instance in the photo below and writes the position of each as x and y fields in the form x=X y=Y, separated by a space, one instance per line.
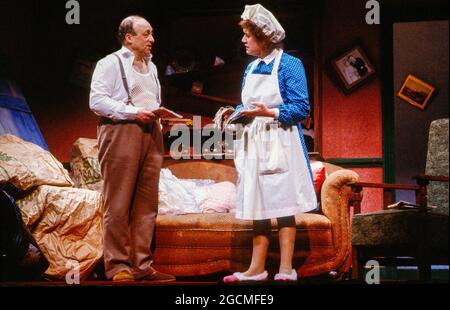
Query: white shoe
x=239 y=277
x=286 y=277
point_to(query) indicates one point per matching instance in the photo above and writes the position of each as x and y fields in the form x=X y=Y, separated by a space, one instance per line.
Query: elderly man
x=124 y=91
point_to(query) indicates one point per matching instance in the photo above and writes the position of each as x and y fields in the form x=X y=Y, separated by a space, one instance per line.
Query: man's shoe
x=123 y=276
x=157 y=276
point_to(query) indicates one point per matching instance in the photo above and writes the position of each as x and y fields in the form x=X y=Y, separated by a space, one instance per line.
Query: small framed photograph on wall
x=415 y=91
x=352 y=68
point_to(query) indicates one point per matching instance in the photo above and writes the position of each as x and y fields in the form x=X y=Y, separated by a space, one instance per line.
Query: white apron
x=274 y=179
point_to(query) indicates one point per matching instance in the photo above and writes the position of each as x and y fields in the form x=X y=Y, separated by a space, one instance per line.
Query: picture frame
x=352 y=68
x=415 y=91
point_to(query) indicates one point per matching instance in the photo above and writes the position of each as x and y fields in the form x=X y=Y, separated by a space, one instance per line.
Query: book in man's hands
x=164 y=113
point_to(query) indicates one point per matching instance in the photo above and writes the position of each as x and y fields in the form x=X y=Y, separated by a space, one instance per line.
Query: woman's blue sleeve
x=294 y=91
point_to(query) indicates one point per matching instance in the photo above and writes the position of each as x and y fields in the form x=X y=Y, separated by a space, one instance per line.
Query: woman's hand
x=259 y=110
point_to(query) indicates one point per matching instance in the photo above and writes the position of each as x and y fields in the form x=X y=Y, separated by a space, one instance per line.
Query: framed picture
x=415 y=91
x=353 y=68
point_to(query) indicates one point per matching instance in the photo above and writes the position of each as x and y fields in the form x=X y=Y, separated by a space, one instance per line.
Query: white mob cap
x=264 y=20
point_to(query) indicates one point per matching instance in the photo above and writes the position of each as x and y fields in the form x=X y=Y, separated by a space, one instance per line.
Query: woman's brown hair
x=260 y=35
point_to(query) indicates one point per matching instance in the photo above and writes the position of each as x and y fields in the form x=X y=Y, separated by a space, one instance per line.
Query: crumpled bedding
x=26 y=165
x=67 y=224
x=183 y=196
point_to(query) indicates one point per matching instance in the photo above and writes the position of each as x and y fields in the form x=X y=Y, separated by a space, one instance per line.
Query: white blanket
x=181 y=196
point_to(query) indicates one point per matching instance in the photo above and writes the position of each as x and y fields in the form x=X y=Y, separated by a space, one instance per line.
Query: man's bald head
x=127 y=26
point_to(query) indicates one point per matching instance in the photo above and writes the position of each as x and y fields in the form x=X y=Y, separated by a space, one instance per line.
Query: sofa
x=205 y=244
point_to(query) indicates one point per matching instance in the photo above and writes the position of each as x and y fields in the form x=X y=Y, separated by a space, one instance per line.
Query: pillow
x=219 y=197
x=319 y=174
x=26 y=165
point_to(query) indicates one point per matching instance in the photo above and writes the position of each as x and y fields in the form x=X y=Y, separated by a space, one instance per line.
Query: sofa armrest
x=336 y=197
x=336 y=194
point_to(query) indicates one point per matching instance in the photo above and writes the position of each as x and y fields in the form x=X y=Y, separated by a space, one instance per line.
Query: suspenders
x=124 y=80
x=125 y=83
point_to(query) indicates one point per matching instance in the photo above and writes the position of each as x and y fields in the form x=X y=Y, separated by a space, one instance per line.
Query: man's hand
x=259 y=110
x=146 y=116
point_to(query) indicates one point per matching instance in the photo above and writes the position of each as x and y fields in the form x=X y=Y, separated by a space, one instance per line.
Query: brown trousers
x=131 y=157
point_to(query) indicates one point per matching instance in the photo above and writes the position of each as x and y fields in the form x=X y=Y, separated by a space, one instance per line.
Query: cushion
x=319 y=174
x=219 y=197
x=395 y=228
x=26 y=165
x=200 y=244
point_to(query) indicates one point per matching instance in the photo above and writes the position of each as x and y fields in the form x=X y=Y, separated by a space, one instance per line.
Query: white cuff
x=131 y=111
x=277 y=113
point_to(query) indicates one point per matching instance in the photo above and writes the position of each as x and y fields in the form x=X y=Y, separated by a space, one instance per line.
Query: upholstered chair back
x=437 y=164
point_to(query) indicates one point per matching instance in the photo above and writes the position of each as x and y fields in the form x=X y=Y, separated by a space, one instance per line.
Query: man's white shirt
x=108 y=96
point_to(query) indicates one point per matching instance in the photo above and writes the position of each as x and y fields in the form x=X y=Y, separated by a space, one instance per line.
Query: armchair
x=404 y=237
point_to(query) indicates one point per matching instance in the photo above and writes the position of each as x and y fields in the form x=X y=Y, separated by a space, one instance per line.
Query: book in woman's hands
x=237 y=117
x=165 y=113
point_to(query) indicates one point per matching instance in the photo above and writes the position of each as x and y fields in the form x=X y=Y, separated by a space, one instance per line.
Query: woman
x=275 y=179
